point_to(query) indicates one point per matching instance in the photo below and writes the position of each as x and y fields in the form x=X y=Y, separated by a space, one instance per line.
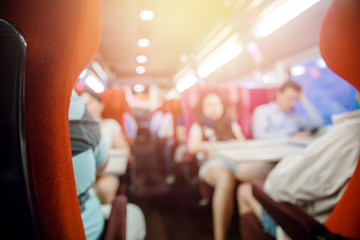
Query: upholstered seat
x=62 y=37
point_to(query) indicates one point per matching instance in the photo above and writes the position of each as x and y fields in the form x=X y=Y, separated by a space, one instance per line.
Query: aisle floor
x=172 y=212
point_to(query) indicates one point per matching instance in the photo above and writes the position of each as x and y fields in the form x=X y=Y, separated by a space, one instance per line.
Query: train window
x=327 y=91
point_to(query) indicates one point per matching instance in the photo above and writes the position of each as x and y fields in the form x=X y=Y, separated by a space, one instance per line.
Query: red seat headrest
x=340 y=39
x=62 y=37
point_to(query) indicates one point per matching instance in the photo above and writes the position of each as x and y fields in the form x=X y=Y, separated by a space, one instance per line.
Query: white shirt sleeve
x=318 y=177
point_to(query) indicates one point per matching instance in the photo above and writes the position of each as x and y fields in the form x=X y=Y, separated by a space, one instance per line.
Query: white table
x=118 y=161
x=255 y=150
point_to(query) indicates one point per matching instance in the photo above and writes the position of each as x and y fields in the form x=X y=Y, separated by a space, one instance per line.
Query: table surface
x=117 y=164
x=256 y=150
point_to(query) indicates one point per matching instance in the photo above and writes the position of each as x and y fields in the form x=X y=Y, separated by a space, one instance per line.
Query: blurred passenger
x=181 y=140
x=89 y=156
x=166 y=136
x=109 y=134
x=213 y=124
x=107 y=185
x=277 y=120
x=154 y=125
x=130 y=127
x=315 y=180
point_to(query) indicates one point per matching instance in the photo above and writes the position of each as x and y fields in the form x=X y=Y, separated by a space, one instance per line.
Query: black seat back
x=17 y=218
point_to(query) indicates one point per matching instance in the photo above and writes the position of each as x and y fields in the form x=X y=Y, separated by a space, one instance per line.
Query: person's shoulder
x=111 y=122
x=264 y=107
x=77 y=107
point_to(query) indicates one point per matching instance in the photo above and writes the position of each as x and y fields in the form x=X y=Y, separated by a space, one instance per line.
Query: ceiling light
x=222 y=55
x=83 y=73
x=143 y=42
x=141 y=59
x=214 y=42
x=297 y=70
x=280 y=13
x=320 y=63
x=139 y=88
x=186 y=82
x=147 y=15
x=184 y=58
x=100 y=71
x=140 y=69
x=171 y=94
x=94 y=83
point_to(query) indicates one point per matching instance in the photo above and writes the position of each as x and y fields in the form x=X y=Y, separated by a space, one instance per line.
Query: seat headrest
x=340 y=39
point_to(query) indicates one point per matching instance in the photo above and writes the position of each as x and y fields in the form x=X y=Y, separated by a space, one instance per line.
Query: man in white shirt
x=315 y=180
x=277 y=120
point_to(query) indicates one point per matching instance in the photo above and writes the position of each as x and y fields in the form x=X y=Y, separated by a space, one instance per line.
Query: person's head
x=93 y=103
x=287 y=96
x=212 y=106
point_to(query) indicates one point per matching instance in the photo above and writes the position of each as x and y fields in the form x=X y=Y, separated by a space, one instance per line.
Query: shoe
x=170 y=179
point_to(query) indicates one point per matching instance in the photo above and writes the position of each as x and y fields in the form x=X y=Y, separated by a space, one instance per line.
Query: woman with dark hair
x=212 y=125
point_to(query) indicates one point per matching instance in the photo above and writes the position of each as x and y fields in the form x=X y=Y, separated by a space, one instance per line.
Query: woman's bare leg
x=223 y=182
x=253 y=171
x=246 y=201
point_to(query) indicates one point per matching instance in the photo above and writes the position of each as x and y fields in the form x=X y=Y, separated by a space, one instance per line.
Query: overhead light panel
x=214 y=42
x=222 y=55
x=94 y=83
x=297 y=70
x=139 y=88
x=171 y=94
x=186 y=82
x=143 y=42
x=320 y=63
x=140 y=69
x=100 y=71
x=147 y=15
x=141 y=59
x=280 y=13
x=83 y=73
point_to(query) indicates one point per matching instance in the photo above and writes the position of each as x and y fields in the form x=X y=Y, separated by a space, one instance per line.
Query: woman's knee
x=219 y=176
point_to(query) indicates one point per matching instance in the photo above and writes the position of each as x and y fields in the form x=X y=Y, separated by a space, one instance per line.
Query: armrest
x=116 y=227
x=295 y=222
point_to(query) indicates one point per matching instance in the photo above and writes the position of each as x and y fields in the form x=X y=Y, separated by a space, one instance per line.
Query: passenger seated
x=166 y=136
x=315 y=180
x=277 y=120
x=107 y=185
x=89 y=149
x=89 y=156
x=212 y=125
x=130 y=128
x=181 y=138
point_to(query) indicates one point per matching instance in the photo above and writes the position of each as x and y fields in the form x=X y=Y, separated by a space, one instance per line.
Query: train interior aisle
x=172 y=211
x=159 y=103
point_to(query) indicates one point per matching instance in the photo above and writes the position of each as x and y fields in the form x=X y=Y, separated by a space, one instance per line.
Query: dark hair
x=290 y=84
x=221 y=126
